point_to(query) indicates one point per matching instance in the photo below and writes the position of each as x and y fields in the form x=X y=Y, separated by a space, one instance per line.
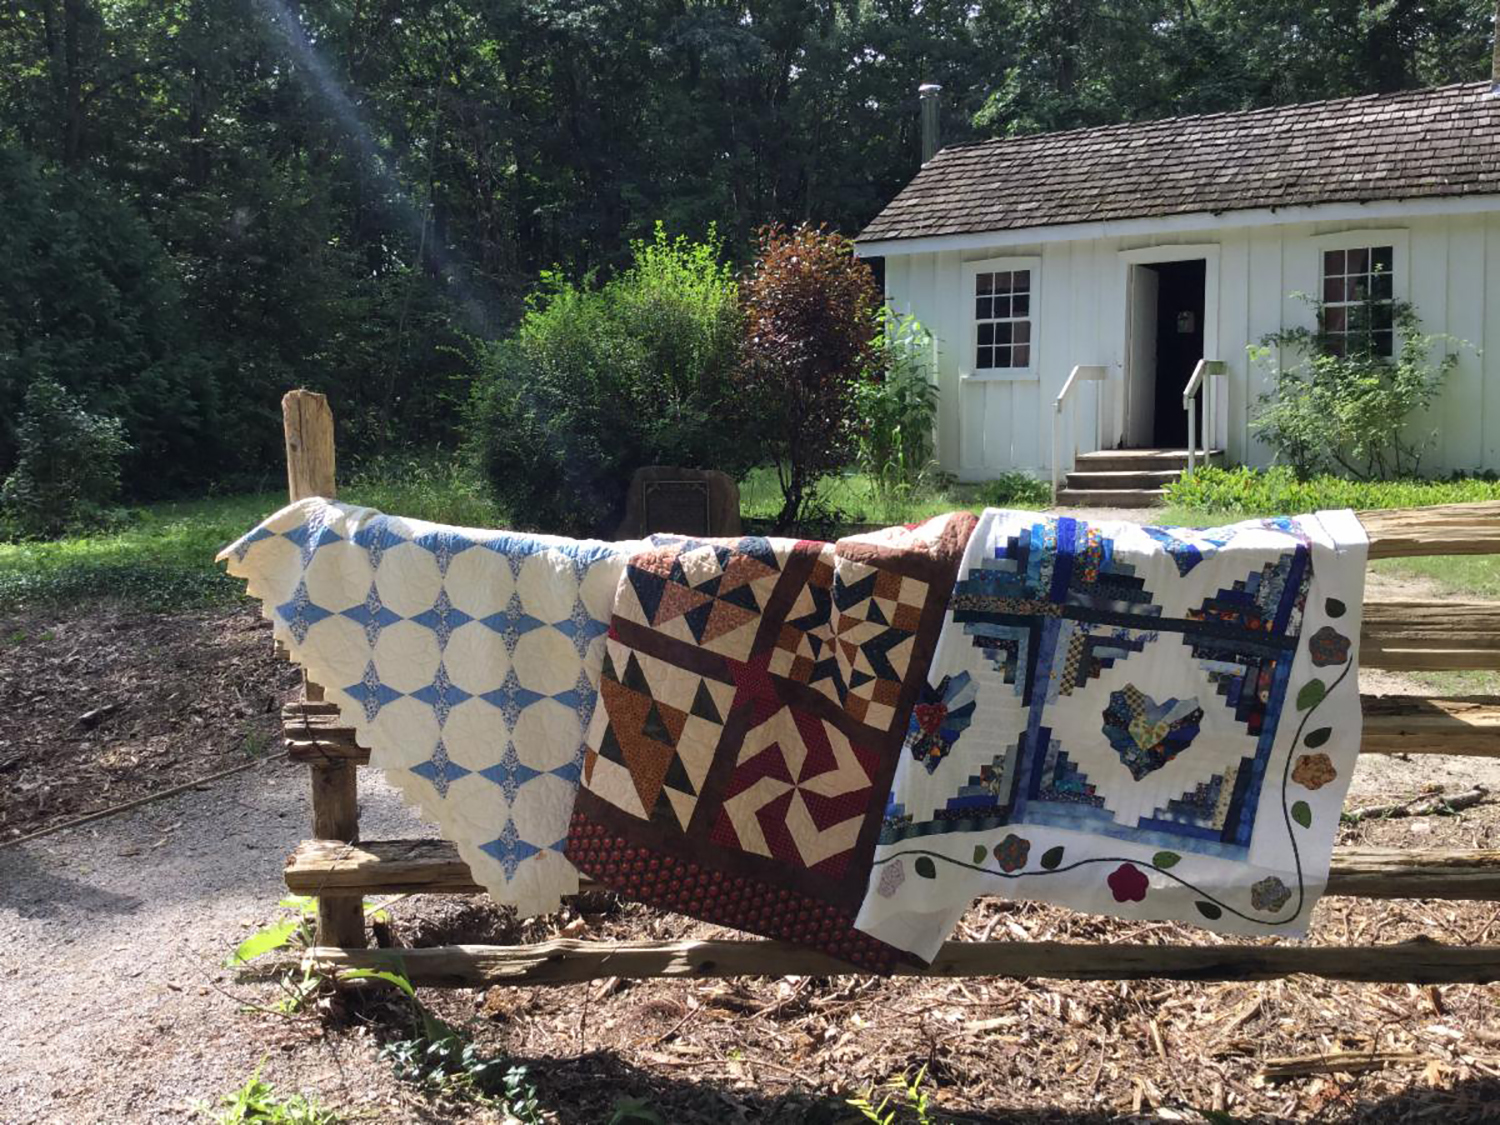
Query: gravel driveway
x=115 y=935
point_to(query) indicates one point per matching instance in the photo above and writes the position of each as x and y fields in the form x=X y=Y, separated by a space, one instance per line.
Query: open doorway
x=1167 y=304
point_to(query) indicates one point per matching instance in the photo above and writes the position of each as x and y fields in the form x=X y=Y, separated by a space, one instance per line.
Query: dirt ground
x=119 y=1008
x=108 y=706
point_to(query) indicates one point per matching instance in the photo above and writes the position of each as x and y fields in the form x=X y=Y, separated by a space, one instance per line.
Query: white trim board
x=966 y=370
x=1176 y=224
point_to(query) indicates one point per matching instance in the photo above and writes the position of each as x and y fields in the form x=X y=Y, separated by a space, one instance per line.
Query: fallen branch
x=1439 y=805
x=90 y=719
x=139 y=801
x=1337 y=1062
x=1247 y=1012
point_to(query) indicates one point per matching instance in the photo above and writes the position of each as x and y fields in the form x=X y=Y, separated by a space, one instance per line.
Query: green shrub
x=1015 y=490
x=1342 y=406
x=437 y=486
x=1278 y=491
x=89 y=298
x=257 y=1103
x=600 y=381
x=897 y=407
x=809 y=333
x=67 y=467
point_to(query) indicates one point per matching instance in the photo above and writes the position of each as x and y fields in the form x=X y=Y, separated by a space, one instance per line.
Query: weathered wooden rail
x=1409 y=635
x=391 y=867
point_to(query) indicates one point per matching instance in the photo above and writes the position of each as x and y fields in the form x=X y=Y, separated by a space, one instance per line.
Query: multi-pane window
x=1357 y=299
x=1002 y=314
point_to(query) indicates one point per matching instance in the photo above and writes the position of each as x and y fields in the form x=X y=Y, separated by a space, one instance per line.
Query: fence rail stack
x=1404 y=636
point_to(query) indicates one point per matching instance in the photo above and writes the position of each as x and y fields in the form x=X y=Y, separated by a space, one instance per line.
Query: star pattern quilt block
x=1118 y=719
x=755 y=695
x=468 y=661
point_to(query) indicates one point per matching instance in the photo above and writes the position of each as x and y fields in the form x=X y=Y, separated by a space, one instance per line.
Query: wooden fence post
x=308 y=423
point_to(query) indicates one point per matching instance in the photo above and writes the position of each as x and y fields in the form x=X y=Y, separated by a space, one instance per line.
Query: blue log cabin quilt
x=1155 y=723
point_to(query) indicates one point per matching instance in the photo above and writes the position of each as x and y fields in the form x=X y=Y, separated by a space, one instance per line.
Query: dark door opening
x=1179 y=347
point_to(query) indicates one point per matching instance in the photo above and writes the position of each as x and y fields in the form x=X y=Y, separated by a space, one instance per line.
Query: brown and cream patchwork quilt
x=755 y=696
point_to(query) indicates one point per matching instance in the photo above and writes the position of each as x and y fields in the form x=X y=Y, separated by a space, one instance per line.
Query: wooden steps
x=389 y=867
x=1140 y=460
x=1125 y=478
x=566 y=961
x=1085 y=496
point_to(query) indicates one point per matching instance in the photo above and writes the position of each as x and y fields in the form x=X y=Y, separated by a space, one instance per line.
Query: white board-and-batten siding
x=989 y=426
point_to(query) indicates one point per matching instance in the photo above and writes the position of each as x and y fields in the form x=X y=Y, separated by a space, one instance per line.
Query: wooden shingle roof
x=1417 y=144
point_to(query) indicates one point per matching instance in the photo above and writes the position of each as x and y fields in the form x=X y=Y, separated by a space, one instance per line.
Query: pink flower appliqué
x=1128 y=883
x=1270 y=894
x=1012 y=852
x=1313 y=771
x=1328 y=647
x=891 y=878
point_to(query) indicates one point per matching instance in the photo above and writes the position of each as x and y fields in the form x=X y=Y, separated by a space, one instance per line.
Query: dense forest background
x=205 y=202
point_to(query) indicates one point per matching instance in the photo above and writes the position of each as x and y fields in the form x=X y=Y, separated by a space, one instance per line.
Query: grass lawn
x=1475 y=575
x=164 y=559
x=851 y=498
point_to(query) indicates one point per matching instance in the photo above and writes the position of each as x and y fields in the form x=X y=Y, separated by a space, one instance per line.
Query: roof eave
x=1334 y=211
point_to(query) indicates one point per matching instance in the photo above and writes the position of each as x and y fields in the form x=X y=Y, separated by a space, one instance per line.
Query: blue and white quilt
x=1147 y=722
x=467 y=661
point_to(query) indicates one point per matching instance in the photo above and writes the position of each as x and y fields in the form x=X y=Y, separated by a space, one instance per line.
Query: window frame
x=1397 y=238
x=968 y=370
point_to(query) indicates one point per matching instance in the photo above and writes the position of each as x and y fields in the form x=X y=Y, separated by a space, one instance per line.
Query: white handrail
x=1200 y=380
x=1083 y=373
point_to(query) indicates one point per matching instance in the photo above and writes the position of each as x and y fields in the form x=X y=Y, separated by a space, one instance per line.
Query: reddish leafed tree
x=810 y=327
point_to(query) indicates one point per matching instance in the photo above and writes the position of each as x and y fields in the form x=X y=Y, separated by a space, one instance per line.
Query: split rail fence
x=1411 y=635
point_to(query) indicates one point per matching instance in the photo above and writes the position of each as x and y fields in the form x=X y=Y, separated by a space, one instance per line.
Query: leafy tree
x=68 y=470
x=1341 y=406
x=257 y=194
x=600 y=381
x=89 y=300
x=897 y=408
x=1063 y=64
x=810 y=330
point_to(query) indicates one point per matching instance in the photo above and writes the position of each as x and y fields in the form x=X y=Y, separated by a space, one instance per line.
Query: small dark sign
x=678 y=506
x=698 y=502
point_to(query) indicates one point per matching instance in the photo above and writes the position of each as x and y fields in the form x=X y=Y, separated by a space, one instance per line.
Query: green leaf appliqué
x=1208 y=910
x=1335 y=607
x=1302 y=814
x=979 y=853
x=1311 y=695
x=1317 y=737
x=1165 y=860
x=925 y=867
x=1052 y=857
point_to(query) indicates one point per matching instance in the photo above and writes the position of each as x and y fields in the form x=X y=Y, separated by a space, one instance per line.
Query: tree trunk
x=198 y=157
x=74 y=12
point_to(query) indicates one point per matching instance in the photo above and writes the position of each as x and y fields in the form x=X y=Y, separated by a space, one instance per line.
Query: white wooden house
x=1133 y=252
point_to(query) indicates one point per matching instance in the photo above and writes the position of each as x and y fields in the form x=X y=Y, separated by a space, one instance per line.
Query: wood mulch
x=796 y=1048
x=107 y=706
x=188 y=695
